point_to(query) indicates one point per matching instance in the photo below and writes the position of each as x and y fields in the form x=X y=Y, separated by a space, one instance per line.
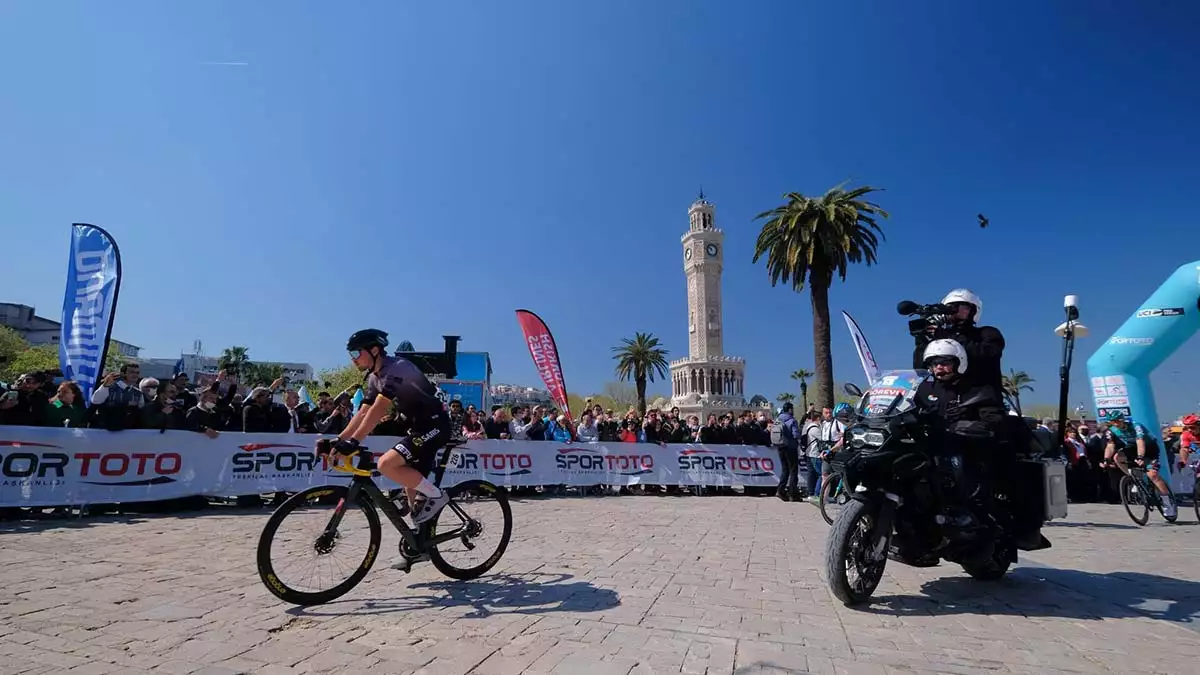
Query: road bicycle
x=1138 y=494
x=331 y=532
x=833 y=497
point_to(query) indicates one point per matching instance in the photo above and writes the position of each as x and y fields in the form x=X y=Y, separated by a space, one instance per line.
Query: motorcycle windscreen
x=892 y=394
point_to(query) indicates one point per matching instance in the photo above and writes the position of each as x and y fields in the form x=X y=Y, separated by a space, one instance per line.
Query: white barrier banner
x=52 y=466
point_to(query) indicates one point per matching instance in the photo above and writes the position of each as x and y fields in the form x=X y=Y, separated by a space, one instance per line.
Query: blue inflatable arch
x=1120 y=370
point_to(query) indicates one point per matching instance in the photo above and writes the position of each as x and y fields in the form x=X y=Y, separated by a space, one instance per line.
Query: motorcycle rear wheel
x=994 y=568
x=848 y=545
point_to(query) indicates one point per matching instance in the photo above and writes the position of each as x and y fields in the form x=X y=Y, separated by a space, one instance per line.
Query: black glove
x=326 y=446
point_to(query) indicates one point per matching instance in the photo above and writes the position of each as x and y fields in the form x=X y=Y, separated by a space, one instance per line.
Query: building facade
x=203 y=369
x=707 y=381
x=38 y=330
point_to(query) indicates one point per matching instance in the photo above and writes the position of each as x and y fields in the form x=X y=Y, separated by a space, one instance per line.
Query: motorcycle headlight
x=863 y=438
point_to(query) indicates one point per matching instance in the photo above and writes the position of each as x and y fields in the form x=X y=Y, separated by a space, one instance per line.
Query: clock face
x=687 y=253
x=711 y=249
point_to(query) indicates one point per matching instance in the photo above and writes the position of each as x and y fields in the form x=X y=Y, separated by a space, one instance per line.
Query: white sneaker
x=430 y=508
x=1169 y=510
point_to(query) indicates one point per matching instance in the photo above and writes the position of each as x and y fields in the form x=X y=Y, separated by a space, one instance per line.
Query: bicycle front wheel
x=481 y=512
x=1135 y=499
x=310 y=553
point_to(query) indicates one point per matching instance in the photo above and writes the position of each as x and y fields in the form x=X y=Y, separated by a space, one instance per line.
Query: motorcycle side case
x=1051 y=477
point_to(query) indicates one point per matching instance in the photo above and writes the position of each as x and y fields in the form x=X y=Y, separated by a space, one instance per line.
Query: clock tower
x=706 y=380
x=703 y=251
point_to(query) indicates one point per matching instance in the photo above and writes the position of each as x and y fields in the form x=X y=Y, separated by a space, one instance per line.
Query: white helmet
x=950 y=348
x=965 y=295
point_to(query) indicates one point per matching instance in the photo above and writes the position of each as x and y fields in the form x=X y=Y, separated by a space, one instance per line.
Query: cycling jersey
x=413 y=395
x=1126 y=440
x=1188 y=440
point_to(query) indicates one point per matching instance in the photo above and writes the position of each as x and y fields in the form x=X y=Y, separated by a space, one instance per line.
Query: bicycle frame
x=1142 y=478
x=363 y=482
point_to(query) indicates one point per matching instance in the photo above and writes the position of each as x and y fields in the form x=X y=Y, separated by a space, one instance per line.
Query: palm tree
x=785 y=397
x=235 y=358
x=1016 y=382
x=803 y=376
x=638 y=359
x=811 y=240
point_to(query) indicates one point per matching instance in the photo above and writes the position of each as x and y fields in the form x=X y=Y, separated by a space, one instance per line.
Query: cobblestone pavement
x=598 y=585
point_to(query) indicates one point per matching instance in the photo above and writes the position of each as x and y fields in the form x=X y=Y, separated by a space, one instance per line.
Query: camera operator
x=984 y=344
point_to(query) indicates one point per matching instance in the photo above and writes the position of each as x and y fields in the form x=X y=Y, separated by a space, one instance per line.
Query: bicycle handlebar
x=345 y=465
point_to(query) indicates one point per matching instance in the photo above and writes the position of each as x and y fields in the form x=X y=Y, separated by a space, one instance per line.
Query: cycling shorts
x=1151 y=459
x=426 y=436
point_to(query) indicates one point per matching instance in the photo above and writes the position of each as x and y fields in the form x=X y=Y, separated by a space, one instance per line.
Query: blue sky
x=429 y=167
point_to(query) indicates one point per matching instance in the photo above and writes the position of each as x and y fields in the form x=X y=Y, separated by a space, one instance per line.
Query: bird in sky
x=983 y=221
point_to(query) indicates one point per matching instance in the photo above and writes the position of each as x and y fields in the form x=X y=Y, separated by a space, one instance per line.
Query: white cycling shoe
x=429 y=508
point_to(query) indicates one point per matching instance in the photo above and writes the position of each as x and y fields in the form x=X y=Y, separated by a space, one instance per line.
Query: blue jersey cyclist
x=1135 y=443
x=397 y=382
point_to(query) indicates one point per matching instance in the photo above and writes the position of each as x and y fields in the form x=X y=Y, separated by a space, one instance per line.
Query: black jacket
x=960 y=401
x=984 y=346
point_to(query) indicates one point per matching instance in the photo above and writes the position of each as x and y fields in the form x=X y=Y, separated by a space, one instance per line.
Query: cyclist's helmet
x=1114 y=416
x=946 y=349
x=965 y=296
x=367 y=338
x=843 y=410
x=1190 y=421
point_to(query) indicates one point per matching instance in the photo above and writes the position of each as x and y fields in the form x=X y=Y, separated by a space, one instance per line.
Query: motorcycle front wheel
x=853 y=564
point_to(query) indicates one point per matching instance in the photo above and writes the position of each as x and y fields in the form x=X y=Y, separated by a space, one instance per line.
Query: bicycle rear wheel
x=476 y=496
x=313 y=547
x=1196 y=499
x=1135 y=499
x=833 y=498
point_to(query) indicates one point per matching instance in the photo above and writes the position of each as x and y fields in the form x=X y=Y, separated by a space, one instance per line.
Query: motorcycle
x=898 y=477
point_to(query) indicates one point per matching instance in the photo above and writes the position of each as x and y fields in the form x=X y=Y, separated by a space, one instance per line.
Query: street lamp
x=1068 y=331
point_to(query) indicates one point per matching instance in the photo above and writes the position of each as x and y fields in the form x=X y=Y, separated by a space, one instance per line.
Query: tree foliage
x=17 y=356
x=639 y=358
x=812 y=240
x=336 y=380
x=250 y=373
x=1014 y=383
x=620 y=396
x=405 y=346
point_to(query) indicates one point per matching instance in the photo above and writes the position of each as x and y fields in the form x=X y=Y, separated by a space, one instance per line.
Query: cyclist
x=1126 y=435
x=397 y=382
x=1189 y=440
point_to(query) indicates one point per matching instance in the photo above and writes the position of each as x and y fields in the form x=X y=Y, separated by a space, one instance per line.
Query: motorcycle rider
x=984 y=345
x=965 y=416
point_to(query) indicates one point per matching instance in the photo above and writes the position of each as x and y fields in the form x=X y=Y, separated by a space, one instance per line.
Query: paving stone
x=581 y=590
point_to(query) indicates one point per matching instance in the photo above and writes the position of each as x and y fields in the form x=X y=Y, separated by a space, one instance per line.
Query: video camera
x=937 y=315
